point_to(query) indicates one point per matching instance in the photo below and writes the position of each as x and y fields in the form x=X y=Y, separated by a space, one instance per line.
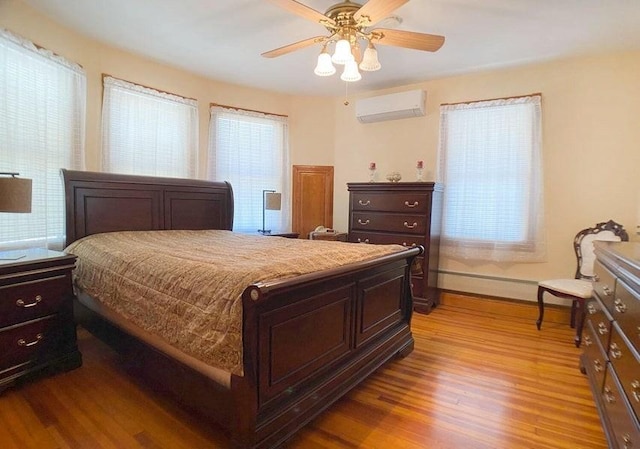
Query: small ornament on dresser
x=394 y=176
x=372 y=172
x=419 y=171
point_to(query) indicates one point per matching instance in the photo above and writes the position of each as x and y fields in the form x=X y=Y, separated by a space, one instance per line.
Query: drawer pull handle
x=363 y=222
x=636 y=390
x=364 y=203
x=628 y=442
x=407 y=225
x=587 y=340
x=616 y=353
x=597 y=366
x=606 y=290
x=22 y=342
x=363 y=241
x=609 y=396
x=596 y=278
x=602 y=328
x=413 y=245
x=21 y=303
x=415 y=203
x=591 y=308
x=620 y=306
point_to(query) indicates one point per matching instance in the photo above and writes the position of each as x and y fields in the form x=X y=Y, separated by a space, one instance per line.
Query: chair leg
x=573 y=314
x=579 y=320
x=540 y=307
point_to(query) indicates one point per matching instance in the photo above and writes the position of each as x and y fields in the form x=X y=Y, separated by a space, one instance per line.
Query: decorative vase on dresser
x=611 y=358
x=406 y=213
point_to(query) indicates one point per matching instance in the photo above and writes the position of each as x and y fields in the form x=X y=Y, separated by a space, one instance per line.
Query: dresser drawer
x=31 y=341
x=626 y=311
x=595 y=358
x=380 y=238
x=626 y=430
x=28 y=300
x=391 y=202
x=626 y=363
x=604 y=285
x=600 y=319
x=397 y=223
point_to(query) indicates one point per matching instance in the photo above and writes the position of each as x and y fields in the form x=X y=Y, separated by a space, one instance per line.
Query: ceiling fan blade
x=409 y=39
x=376 y=10
x=303 y=11
x=293 y=47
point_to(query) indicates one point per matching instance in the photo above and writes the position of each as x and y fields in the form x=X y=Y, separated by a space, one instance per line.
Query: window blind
x=42 y=129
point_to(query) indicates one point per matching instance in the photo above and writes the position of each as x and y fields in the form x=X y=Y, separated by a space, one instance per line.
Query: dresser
x=37 y=330
x=406 y=213
x=611 y=341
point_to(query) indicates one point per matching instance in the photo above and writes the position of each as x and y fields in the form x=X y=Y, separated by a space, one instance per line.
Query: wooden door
x=312 y=198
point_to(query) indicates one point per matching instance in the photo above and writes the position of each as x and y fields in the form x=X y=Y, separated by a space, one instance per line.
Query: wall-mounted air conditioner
x=390 y=107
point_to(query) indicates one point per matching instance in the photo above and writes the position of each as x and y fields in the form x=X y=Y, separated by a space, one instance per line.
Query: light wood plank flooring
x=480 y=377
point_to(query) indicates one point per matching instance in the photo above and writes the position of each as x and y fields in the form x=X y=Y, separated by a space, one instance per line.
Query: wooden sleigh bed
x=306 y=340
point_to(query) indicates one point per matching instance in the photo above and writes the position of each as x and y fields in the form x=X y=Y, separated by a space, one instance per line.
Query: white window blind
x=251 y=151
x=148 y=132
x=42 y=129
x=491 y=165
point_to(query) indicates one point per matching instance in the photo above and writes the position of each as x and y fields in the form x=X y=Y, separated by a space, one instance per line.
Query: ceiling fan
x=348 y=24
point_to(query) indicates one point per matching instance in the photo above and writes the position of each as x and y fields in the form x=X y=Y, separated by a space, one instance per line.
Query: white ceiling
x=223 y=39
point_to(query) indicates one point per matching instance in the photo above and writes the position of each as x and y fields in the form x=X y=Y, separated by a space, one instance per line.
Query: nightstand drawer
x=29 y=300
x=31 y=341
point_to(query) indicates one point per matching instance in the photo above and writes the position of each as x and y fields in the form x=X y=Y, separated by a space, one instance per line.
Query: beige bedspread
x=186 y=286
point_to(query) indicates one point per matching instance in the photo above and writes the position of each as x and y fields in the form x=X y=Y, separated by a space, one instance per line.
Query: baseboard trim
x=503 y=306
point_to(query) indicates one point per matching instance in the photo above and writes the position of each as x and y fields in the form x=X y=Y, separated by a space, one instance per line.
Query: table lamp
x=270 y=201
x=15 y=197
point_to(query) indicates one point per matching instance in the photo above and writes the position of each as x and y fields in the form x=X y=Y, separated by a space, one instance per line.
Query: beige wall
x=591 y=139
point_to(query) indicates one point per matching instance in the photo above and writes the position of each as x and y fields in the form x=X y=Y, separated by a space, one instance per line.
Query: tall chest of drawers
x=611 y=358
x=37 y=330
x=406 y=213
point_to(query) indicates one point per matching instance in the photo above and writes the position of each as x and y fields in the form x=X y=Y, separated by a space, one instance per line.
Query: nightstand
x=37 y=330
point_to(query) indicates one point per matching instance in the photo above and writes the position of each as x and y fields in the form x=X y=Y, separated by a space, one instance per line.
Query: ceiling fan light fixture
x=342 y=53
x=324 y=66
x=351 y=73
x=370 y=61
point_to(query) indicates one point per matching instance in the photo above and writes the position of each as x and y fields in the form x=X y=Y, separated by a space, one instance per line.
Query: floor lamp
x=270 y=201
x=15 y=197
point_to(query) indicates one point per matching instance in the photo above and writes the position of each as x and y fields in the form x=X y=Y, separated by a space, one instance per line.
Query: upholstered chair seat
x=573 y=287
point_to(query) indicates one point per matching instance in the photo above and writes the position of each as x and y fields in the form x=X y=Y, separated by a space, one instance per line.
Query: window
x=147 y=132
x=491 y=165
x=42 y=125
x=251 y=151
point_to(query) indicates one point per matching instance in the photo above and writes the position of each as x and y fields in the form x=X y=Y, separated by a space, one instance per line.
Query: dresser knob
x=21 y=303
x=597 y=366
x=609 y=396
x=23 y=342
x=602 y=328
x=408 y=226
x=363 y=241
x=626 y=439
x=366 y=222
x=413 y=245
x=587 y=340
x=615 y=351
x=364 y=203
x=606 y=290
x=414 y=204
x=596 y=278
x=635 y=385
x=620 y=306
x=591 y=308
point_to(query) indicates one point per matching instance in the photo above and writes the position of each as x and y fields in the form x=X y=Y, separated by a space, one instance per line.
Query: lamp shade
x=351 y=73
x=342 y=53
x=370 y=61
x=324 y=67
x=272 y=201
x=15 y=194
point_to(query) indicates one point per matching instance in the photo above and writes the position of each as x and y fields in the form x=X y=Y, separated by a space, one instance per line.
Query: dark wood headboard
x=106 y=202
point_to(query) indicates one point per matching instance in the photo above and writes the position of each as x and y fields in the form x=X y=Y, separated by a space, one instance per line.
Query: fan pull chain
x=346 y=94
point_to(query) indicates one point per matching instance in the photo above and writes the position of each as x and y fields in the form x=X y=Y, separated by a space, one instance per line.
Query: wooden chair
x=579 y=289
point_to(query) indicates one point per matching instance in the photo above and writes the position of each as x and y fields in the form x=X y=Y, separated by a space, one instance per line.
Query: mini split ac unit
x=391 y=107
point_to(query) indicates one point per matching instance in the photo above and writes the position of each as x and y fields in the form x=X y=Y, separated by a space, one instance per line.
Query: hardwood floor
x=477 y=379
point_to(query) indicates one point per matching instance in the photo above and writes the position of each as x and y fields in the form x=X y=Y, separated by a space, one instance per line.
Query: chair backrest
x=583 y=245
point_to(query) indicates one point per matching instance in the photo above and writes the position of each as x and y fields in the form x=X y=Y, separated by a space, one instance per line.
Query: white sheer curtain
x=148 y=132
x=251 y=151
x=42 y=129
x=491 y=164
